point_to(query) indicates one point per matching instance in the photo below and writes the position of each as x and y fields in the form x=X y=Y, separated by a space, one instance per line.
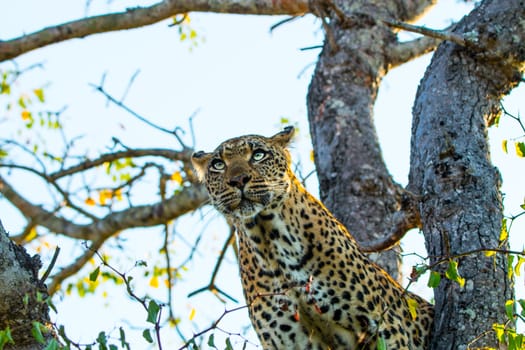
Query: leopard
x=307 y=283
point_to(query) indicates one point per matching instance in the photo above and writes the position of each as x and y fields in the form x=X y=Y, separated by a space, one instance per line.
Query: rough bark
x=142 y=16
x=22 y=294
x=354 y=182
x=461 y=207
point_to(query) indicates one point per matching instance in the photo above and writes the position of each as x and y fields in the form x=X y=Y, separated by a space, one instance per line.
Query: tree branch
x=188 y=199
x=143 y=16
x=130 y=153
x=406 y=51
x=433 y=33
x=400 y=222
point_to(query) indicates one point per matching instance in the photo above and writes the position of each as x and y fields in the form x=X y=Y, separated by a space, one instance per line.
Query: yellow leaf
x=192 y=314
x=490 y=253
x=39 y=93
x=177 y=177
x=118 y=194
x=104 y=195
x=520 y=149
x=504 y=146
x=412 y=307
x=312 y=155
x=173 y=322
x=26 y=115
x=504 y=234
x=154 y=282
x=32 y=235
x=517 y=268
x=193 y=34
x=89 y=201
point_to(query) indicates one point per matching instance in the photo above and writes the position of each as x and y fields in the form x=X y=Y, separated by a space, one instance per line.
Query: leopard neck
x=289 y=236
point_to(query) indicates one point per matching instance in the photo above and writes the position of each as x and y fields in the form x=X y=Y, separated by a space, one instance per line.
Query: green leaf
x=62 y=333
x=25 y=299
x=153 y=312
x=5 y=337
x=36 y=330
x=3 y=153
x=522 y=305
x=434 y=279
x=515 y=342
x=113 y=347
x=192 y=345
x=141 y=263
x=5 y=88
x=52 y=306
x=228 y=344
x=52 y=345
x=453 y=274
x=509 y=309
x=102 y=341
x=211 y=341
x=381 y=343
x=123 y=343
x=510 y=262
x=93 y=275
x=520 y=149
x=147 y=335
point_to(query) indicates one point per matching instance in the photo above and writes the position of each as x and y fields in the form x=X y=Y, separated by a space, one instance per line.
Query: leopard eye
x=258 y=155
x=218 y=164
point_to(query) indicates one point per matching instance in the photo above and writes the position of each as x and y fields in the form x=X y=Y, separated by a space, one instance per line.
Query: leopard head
x=248 y=174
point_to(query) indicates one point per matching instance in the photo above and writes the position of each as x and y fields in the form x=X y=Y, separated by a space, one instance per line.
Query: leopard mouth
x=244 y=205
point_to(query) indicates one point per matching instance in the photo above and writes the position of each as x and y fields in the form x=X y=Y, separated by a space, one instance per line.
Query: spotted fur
x=307 y=284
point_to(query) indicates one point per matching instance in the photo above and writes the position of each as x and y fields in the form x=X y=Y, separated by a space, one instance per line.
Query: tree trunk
x=354 y=182
x=22 y=294
x=461 y=208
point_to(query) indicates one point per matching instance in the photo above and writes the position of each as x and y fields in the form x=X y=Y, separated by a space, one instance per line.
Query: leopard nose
x=239 y=181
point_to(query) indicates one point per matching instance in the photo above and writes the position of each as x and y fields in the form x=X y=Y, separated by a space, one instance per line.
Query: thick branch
x=399 y=223
x=403 y=52
x=188 y=199
x=142 y=16
x=461 y=206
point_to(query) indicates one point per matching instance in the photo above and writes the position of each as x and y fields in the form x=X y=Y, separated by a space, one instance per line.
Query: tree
x=451 y=178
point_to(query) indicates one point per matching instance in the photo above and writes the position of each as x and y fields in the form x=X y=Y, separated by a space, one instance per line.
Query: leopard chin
x=246 y=205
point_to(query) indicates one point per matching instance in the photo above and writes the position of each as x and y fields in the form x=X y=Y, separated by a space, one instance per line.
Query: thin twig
x=113 y=100
x=212 y=285
x=51 y=265
x=433 y=33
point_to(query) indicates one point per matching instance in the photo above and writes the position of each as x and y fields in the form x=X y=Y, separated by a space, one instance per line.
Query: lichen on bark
x=23 y=295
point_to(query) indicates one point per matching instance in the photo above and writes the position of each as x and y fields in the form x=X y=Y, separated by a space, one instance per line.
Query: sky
x=236 y=78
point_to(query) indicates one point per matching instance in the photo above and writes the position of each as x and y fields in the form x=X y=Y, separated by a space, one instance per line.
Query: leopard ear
x=284 y=137
x=200 y=160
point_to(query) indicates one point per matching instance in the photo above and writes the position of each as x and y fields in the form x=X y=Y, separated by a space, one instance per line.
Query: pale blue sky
x=242 y=79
